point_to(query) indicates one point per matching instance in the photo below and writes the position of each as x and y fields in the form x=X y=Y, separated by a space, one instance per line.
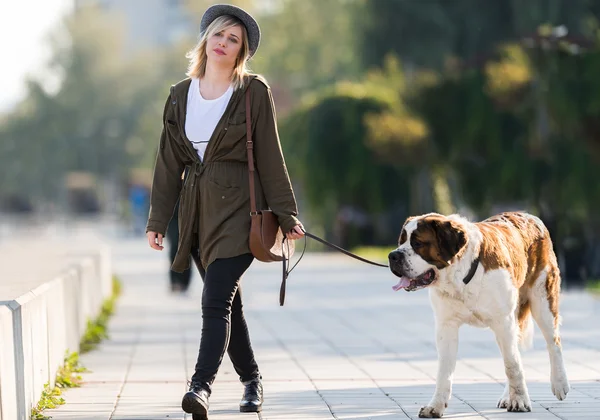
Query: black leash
x=286 y=272
x=342 y=250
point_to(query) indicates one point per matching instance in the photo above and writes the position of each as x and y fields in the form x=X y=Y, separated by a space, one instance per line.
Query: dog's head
x=428 y=244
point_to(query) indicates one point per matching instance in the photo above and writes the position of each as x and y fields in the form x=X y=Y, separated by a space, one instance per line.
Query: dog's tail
x=525 y=326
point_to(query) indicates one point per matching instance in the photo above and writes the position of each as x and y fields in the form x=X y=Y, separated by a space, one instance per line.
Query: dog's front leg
x=516 y=396
x=447 y=345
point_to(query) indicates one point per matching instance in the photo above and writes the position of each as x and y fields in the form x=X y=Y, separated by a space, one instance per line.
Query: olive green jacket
x=214 y=210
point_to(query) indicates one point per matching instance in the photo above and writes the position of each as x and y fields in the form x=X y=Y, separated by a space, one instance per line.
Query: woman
x=204 y=129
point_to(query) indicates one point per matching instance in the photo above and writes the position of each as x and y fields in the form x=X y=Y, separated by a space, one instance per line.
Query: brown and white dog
x=496 y=274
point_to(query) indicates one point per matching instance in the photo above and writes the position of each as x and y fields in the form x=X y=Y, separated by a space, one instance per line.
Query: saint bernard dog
x=498 y=274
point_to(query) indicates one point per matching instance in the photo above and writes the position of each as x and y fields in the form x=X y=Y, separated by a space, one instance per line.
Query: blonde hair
x=198 y=58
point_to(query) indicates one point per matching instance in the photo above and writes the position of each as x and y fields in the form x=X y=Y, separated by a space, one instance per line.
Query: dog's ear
x=451 y=238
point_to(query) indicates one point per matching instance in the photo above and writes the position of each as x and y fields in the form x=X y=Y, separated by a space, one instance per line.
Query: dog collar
x=472 y=271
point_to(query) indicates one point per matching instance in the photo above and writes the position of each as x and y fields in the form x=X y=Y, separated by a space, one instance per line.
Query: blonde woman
x=204 y=129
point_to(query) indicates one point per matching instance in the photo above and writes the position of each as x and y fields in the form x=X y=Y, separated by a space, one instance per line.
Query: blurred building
x=149 y=23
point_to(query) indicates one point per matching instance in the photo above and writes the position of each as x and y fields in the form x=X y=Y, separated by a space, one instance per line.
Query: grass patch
x=593 y=286
x=374 y=253
x=50 y=399
x=66 y=377
x=97 y=330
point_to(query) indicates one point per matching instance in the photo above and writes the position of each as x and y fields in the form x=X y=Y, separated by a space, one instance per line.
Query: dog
x=497 y=273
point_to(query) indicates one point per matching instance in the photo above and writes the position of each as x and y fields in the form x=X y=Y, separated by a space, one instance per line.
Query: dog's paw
x=560 y=387
x=517 y=403
x=503 y=401
x=430 y=412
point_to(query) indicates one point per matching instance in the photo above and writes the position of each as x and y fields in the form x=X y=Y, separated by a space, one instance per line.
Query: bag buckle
x=254 y=213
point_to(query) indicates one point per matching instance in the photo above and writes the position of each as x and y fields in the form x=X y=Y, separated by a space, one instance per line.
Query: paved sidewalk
x=344 y=346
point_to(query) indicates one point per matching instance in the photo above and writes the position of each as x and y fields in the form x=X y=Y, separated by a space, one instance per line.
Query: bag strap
x=250 y=149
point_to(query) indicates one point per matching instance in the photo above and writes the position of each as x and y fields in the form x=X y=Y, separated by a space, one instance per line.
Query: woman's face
x=224 y=47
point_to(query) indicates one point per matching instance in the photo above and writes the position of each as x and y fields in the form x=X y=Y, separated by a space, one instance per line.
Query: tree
x=326 y=144
x=89 y=123
x=401 y=138
x=306 y=45
x=428 y=33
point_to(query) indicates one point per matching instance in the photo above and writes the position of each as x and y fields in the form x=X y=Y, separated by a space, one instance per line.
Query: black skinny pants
x=223 y=324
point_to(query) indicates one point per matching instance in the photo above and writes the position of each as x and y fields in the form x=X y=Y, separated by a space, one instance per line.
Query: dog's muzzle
x=397 y=260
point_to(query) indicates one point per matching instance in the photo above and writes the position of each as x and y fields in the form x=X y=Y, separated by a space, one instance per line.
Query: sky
x=24 y=25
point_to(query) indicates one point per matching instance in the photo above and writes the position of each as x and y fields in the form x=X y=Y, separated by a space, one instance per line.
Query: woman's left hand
x=296 y=233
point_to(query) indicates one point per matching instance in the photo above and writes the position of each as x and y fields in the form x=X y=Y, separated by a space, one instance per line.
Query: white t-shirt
x=202 y=116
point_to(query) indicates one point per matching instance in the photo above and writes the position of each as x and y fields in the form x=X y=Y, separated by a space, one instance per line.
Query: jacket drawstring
x=198 y=169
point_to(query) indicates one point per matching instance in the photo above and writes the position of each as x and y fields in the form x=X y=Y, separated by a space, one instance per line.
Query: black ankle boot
x=253 y=397
x=195 y=402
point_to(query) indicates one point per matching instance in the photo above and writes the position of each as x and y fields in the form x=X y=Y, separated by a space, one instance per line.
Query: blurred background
x=386 y=108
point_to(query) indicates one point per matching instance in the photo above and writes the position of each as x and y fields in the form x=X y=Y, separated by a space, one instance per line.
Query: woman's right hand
x=155 y=240
x=297 y=232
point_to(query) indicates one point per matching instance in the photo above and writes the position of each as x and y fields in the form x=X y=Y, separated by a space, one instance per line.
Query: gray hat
x=251 y=25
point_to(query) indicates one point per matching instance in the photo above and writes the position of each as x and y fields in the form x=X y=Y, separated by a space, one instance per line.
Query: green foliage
x=484 y=144
x=329 y=134
x=425 y=34
x=307 y=44
x=94 y=121
x=95 y=332
x=67 y=374
x=49 y=399
x=374 y=253
x=96 y=329
x=489 y=102
x=428 y=33
x=593 y=286
x=396 y=135
x=66 y=377
x=117 y=287
x=524 y=130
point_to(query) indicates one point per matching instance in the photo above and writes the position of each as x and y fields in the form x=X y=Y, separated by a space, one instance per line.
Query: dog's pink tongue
x=402 y=284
